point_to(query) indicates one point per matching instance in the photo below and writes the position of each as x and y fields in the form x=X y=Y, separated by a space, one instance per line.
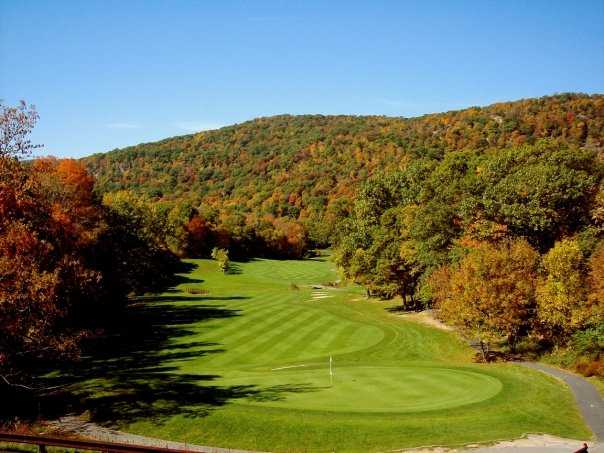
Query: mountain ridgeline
x=289 y=179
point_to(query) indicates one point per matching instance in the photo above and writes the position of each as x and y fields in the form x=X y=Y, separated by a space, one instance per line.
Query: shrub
x=222 y=256
x=589 y=342
x=590 y=367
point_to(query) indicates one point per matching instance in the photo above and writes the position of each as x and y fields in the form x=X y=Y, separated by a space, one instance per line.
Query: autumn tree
x=597 y=209
x=48 y=226
x=199 y=233
x=595 y=280
x=562 y=292
x=66 y=262
x=222 y=258
x=16 y=124
x=490 y=293
x=309 y=166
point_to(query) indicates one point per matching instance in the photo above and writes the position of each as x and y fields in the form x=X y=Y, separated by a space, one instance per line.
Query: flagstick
x=330 y=371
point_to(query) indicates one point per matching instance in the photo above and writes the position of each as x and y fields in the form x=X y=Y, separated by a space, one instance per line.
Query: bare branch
x=16 y=123
x=26 y=387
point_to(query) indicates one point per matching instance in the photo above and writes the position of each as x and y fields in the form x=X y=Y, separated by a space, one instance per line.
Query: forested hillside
x=285 y=181
x=494 y=215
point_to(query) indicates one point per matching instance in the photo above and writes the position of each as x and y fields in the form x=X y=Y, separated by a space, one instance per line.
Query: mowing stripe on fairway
x=319 y=337
x=291 y=345
x=262 y=346
x=308 y=336
x=241 y=341
x=304 y=340
x=255 y=324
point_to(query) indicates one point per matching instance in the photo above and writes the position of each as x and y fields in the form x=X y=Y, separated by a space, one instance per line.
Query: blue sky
x=105 y=74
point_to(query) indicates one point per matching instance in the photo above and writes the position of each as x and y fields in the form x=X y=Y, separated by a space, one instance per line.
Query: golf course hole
x=372 y=389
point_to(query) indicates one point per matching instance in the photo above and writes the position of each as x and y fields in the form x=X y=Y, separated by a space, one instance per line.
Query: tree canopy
x=269 y=173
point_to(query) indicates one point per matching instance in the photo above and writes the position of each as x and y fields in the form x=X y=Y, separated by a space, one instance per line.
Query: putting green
x=372 y=389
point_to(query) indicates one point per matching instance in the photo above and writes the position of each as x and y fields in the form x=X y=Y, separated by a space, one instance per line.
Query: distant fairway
x=247 y=365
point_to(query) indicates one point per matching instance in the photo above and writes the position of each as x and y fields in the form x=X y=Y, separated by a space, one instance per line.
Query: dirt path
x=425 y=317
x=532 y=443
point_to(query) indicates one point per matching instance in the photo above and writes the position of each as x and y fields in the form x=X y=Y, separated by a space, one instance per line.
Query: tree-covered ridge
x=428 y=213
x=506 y=243
x=307 y=168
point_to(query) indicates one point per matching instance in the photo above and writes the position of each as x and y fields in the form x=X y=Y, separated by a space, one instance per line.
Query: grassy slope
x=396 y=384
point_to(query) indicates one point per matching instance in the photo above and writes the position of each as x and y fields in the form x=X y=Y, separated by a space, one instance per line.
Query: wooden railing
x=92 y=445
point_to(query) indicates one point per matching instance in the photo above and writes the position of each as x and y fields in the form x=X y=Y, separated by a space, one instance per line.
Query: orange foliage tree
x=490 y=294
x=64 y=258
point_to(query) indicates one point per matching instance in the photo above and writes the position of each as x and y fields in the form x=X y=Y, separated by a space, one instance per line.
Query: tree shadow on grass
x=183 y=279
x=194 y=298
x=132 y=373
x=317 y=259
x=399 y=309
x=234 y=269
x=186 y=395
x=279 y=392
x=180 y=276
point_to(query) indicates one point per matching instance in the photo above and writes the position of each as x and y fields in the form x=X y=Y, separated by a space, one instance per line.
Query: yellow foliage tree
x=561 y=293
x=595 y=299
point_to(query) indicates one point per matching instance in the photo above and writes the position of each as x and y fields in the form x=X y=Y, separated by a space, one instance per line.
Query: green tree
x=541 y=191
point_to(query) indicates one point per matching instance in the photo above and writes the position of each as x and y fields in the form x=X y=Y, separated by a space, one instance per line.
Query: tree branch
x=26 y=387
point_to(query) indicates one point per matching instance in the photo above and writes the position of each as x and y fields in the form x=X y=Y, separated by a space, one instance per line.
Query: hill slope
x=308 y=167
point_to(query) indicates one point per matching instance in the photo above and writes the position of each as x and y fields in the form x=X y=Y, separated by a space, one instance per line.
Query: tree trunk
x=483 y=350
x=413 y=303
x=512 y=340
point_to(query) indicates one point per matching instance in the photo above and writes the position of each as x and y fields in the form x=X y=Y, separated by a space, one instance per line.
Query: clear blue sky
x=105 y=74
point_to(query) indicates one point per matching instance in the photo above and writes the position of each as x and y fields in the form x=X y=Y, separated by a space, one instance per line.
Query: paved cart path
x=589 y=400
